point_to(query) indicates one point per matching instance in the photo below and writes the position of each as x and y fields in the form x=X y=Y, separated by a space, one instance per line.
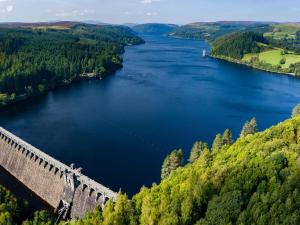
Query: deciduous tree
x=250 y=127
x=171 y=162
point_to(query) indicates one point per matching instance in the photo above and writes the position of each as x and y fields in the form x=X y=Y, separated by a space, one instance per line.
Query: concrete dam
x=63 y=187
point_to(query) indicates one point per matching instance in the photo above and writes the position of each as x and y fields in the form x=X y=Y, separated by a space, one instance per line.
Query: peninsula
x=273 y=47
x=38 y=57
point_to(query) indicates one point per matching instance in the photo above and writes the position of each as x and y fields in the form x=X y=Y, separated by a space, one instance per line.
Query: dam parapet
x=63 y=187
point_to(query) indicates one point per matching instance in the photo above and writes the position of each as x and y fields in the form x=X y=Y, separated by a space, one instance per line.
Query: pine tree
x=250 y=127
x=218 y=143
x=171 y=162
x=227 y=137
x=197 y=150
x=296 y=110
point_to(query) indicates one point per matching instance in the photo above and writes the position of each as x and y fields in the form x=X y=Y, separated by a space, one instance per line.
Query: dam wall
x=63 y=187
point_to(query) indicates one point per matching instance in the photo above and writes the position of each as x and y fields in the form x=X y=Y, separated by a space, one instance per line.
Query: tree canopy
x=238 y=44
x=196 y=151
x=250 y=127
x=34 y=60
x=173 y=161
x=296 y=110
x=255 y=180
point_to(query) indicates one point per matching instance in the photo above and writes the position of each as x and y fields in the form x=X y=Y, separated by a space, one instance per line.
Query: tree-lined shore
x=256 y=50
x=252 y=180
x=39 y=58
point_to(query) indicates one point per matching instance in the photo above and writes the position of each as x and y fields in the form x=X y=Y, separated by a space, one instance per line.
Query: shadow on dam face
x=21 y=192
x=65 y=188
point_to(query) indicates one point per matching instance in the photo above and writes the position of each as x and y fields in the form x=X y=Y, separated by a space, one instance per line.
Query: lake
x=167 y=96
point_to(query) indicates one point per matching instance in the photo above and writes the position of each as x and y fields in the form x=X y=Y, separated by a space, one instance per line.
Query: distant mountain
x=130 y=24
x=212 y=30
x=65 y=24
x=154 y=28
x=95 y=22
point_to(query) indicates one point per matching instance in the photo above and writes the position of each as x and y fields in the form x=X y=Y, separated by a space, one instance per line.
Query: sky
x=144 y=11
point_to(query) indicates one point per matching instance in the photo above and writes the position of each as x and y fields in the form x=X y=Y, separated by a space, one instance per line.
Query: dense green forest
x=254 y=180
x=36 y=59
x=16 y=211
x=236 y=45
x=243 y=42
x=154 y=28
x=259 y=51
x=290 y=44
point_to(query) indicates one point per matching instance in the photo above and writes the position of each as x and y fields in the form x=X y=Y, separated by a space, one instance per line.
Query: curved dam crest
x=64 y=188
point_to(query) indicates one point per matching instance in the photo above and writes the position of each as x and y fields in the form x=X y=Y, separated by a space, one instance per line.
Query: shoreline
x=80 y=78
x=77 y=78
x=235 y=61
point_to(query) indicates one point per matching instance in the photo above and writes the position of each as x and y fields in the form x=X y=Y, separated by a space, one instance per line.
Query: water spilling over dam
x=63 y=187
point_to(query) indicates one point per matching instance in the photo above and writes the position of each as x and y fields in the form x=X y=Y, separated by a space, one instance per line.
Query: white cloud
x=149 y=1
x=75 y=13
x=9 y=8
x=151 y=13
x=6 y=8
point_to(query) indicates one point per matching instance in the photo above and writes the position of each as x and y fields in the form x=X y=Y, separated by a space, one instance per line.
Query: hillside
x=212 y=30
x=62 y=24
x=253 y=181
x=154 y=28
x=261 y=51
x=286 y=36
x=236 y=45
x=35 y=58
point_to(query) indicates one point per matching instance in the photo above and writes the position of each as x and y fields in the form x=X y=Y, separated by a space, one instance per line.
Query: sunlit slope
x=255 y=50
x=274 y=57
x=283 y=31
x=256 y=180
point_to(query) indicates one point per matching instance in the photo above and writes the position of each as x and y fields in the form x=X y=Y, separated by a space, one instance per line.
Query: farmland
x=275 y=57
x=282 y=31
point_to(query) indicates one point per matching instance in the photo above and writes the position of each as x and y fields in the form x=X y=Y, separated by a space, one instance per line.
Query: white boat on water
x=204 y=53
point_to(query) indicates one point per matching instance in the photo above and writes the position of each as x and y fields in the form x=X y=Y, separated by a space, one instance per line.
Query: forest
x=236 y=45
x=290 y=44
x=260 y=51
x=211 y=30
x=252 y=180
x=36 y=59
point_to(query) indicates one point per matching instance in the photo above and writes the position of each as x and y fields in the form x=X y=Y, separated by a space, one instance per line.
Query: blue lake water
x=167 y=96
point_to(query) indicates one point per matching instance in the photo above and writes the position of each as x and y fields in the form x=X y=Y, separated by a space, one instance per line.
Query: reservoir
x=167 y=96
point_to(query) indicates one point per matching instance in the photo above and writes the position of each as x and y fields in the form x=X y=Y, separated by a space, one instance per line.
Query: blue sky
x=141 y=11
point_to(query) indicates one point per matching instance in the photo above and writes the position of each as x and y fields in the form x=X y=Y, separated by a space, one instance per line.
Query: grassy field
x=281 y=31
x=274 y=57
x=50 y=27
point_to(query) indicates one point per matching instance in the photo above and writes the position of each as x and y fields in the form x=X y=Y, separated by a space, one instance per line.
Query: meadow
x=281 y=31
x=274 y=57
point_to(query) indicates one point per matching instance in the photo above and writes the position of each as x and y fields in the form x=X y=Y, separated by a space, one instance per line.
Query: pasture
x=274 y=57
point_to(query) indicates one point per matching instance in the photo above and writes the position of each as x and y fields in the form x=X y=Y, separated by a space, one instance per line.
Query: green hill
x=37 y=57
x=154 y=28
x=286 y=36
x=212 y=30
x=236 y=45
x=256 y=180
x=260 y=51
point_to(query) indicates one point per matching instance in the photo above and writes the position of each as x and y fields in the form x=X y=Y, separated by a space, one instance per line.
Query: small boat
x=204 y=53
